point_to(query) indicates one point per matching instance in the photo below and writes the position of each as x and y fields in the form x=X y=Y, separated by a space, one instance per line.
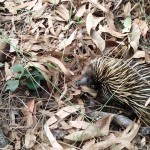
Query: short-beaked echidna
x=126 y=82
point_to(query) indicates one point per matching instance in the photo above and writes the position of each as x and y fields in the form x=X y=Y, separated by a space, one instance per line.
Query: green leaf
x=12 y=85
x=127 y=24
x=32 y=84
x=18 y=68
x=1 y=64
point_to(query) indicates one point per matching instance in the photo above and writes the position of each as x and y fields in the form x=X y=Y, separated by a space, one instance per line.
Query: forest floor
x=44 y=47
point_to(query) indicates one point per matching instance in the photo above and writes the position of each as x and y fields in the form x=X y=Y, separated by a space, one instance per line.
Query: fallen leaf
x=142 y=26
x=66 y=111
x=112 y=32
x=80 y=11
x=139 y=54
x=66 y=71
x=97 y=39
x=134 y=37
x=68 y=41
x=63 y=12
x=39 y=12
x=28 y=113
x=127 y=9
x=30 y=139
x=98 y=5
x=51 y=138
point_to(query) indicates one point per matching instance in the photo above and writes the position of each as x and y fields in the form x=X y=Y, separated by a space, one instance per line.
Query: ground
x=44 y=48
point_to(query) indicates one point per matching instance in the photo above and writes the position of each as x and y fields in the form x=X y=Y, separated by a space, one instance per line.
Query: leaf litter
x=59 y=38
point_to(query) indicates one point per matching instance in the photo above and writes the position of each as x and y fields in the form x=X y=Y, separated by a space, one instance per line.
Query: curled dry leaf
x=66 y=71
x=142 y=26
x=112 y=32
x=110 y=20
x=68 y=41
x=37 y=65
x=51 y=138
x=97 y=39
x=63 y=12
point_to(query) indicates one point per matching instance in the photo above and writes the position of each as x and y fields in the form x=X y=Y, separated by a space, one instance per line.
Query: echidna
x=126 y=82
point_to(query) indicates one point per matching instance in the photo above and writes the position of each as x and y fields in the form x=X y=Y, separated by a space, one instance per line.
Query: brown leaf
x=142 y=26
x=127 y=9
x=30 y=139
x=39 y=12
x=63 y=12
x=97 y=39
x=68 y=41
x=51 y=138
x=112 y=32
x=66 y=111
x=66 y=71
x=98 y=5
x=28 y=113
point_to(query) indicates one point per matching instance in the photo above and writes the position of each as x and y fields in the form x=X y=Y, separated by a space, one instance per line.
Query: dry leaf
x=127 y=9
x=54 y=2
x=39 y=12
x=30 y=138
x=98 y=5
x=80 y=11
x=97 y=39
x=51 y=138
x=68 y=41
x=112 y=32
x=79 y=124
x=142 y=26
x=90 y=132
x=139 y=54
x=134 y=37
x=63 y=12
x=66 y=111
x=67 y=72
x=28 y=113
x=13 y=44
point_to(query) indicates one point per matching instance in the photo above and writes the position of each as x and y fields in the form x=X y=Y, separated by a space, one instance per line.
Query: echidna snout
x=85 y=81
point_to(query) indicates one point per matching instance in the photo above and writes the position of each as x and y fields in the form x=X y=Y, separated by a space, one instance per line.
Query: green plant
x=31 y=77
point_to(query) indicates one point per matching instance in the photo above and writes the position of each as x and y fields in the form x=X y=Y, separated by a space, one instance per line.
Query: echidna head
x=88 y=77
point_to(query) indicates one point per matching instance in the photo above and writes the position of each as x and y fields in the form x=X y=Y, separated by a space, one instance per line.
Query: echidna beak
x=83 y=81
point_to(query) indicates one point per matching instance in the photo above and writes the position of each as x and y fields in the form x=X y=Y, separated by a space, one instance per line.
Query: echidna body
x=124 y=82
